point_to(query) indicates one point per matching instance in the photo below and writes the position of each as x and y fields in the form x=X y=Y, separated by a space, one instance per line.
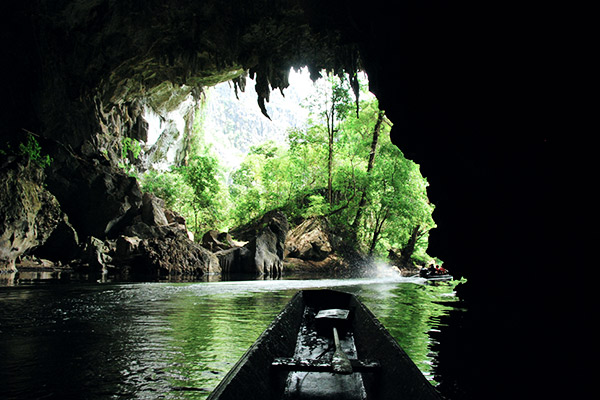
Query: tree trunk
x=330 y=168
x=331 y=132
x=363 y=199
x=378 y=228
x=409 y=248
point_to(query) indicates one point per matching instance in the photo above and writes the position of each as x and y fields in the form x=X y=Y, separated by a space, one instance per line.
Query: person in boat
x=432 y=270
x=440 y=270
x=427 y=271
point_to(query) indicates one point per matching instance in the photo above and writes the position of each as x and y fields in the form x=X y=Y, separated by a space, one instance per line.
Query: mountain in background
x=231 y=126
x=227 y=124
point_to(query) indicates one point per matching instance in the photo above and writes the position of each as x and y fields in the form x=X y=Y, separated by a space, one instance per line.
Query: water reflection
x=173 y=341
x=411 y=312
x=16 y=278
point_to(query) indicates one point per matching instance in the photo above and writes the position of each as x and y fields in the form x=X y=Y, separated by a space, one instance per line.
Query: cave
x=454 y=78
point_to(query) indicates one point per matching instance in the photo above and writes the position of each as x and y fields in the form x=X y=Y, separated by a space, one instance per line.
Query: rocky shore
x=143 y=239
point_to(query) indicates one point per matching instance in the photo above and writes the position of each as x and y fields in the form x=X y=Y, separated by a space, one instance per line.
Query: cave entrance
x=319 y=155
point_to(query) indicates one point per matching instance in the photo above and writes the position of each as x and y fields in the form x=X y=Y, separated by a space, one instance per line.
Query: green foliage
x=295 y=179
x=192 y=190
x=130 y=150
x=201 y=176
x=333 y=101
x=130 y=145
x=268 y=149
x=303 y=179
x=169 y=186
x=32 y=150
x=317 y=206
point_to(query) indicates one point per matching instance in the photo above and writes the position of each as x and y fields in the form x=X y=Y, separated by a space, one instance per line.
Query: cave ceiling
x=107 y=54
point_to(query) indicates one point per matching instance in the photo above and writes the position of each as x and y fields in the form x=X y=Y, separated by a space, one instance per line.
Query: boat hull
x=444 y=277
x=385 y=371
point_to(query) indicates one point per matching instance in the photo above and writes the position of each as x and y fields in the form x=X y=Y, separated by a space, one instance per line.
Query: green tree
x=399 y=202
x=375 y=191
x=332 y=105
x=370 y=164
x=200 y=174
x=166 y=185
x=342 y=167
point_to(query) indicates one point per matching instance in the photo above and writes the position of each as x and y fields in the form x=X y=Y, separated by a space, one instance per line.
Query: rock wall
x=157 y=243
x=29 y=213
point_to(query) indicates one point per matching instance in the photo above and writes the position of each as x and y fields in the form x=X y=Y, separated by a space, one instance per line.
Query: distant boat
x=432 y=274
x=325 y=344
x=444 y=277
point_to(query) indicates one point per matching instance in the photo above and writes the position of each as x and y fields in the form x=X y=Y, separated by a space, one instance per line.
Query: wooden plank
x=303 y=365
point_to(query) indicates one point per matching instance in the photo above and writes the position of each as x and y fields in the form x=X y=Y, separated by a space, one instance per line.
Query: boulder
x=156 y=242
x=332 y=264
x=266 y=242
x=127 y=247
x=162 y=250
x=28 y=212
x=36 y=264
x=312 y=247
x=175 y=255
x=269 y=245
x=210 y=241
x=311 y=241
x=218 y=241
x=153 y=212
x=264 y=254
x=95 y=255
x=177 y=221
x=142 y=230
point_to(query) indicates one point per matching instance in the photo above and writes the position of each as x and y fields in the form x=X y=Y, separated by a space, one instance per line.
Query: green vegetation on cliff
x=29 y=149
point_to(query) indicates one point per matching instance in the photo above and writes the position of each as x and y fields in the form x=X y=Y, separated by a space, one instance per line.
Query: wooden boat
x=299 y=355
x=438 y=277
x=432 y=274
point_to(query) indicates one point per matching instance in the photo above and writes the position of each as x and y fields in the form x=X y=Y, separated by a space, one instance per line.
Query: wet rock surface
x=265 y=244
x=218 y=241
x=175 y=255
x=153 y=212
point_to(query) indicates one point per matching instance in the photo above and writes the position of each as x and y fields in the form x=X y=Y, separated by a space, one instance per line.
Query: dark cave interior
x=458 y=83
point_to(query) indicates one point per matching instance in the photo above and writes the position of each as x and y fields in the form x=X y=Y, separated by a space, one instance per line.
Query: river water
x=175 y=340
